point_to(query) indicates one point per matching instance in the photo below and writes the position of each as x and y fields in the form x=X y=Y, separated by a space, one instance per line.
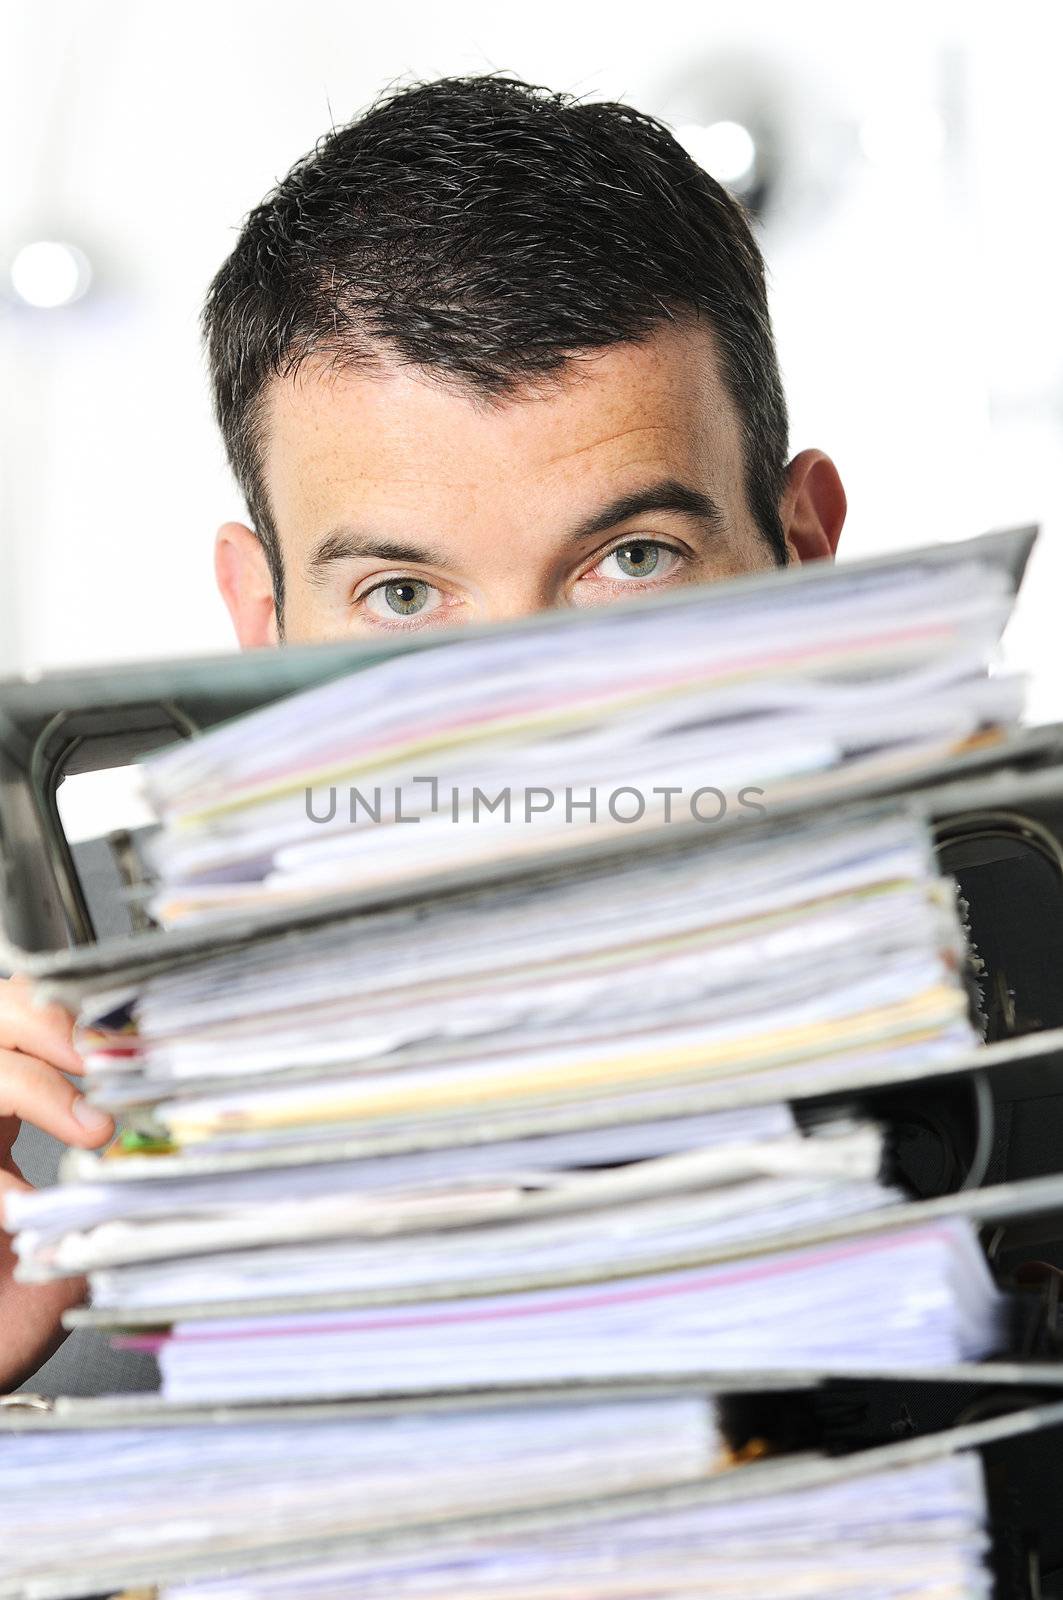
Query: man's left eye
x=639 y=558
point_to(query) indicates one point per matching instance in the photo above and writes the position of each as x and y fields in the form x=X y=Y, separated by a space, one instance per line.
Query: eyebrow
x=348 y=544
x=668 y=495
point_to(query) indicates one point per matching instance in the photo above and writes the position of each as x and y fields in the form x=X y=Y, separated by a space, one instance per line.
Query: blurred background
x=902 y=160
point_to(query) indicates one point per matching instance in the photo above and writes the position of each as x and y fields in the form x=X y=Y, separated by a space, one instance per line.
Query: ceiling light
x=48 y=273
x=725 y=149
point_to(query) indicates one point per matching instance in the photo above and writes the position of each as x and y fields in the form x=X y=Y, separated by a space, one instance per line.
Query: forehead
x=333 y=438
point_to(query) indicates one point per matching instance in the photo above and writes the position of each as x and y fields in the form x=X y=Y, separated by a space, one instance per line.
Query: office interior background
x=903 y=162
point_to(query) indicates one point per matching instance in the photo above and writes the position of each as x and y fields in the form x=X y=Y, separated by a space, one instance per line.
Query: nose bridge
x=521 y=595
x=519 y=571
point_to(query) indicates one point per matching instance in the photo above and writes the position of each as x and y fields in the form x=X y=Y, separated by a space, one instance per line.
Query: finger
x=42 y=1031
x=35 y=1092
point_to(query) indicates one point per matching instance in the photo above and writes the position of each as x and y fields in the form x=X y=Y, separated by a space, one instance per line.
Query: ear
x=246 y=585
x=813 y=507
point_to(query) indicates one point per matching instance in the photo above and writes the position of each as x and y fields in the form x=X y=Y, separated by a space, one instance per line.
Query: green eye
x=637 y=560
x=409 y=601
x=406 y=597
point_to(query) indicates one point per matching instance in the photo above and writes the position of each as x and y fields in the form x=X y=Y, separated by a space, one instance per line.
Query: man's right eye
x=401 y=598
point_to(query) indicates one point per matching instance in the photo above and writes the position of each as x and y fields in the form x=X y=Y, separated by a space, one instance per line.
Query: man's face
x=402 y=503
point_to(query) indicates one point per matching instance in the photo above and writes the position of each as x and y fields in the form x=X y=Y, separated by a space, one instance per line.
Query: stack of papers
x=601 y=991
x=921 y=1297
x=590 y=1499
x=697 y=712
x=521 y=1154
x=201 y=1487
x=914 y=1533
x=456 y=1214
x=453 y=1143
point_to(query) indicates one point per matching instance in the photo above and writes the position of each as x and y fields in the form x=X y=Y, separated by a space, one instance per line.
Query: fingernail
x=92 y=1119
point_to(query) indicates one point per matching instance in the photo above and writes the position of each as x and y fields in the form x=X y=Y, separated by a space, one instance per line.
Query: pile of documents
x=476 y=1136
x=913 y=1533
x=593 y=1500
x=203 y=1483
x=706 y=709
x=601 y=989
x=922 y=1297
x=462 y=1206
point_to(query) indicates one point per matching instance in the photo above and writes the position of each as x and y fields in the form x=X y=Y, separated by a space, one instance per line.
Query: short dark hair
x=486 y=230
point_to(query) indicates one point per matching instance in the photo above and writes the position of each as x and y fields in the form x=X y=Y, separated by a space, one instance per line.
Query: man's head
x=488 y=350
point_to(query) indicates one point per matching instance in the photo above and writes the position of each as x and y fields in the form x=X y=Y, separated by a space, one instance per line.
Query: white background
x=915 y=246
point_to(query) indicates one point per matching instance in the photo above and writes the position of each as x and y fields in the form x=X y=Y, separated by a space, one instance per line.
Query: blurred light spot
x=726 y=149
x=48 y=274
x=903 y=138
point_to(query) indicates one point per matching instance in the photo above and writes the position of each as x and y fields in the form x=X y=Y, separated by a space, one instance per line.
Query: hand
x=36 y=1048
